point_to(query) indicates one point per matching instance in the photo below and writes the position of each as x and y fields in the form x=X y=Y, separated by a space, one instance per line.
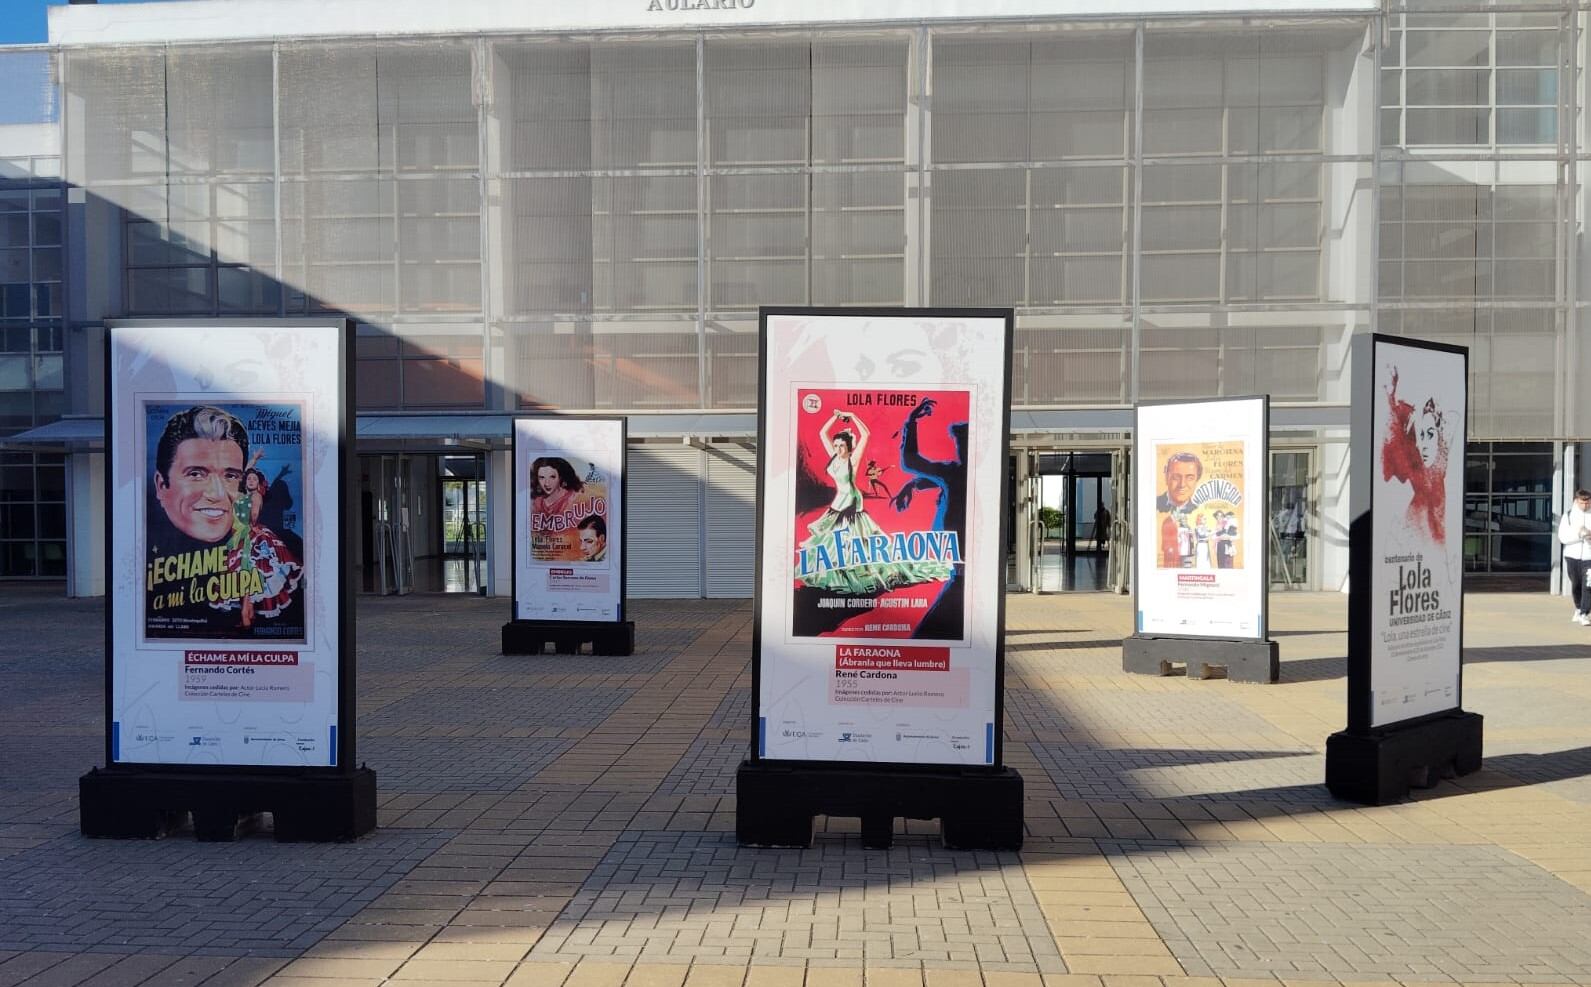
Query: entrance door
x=463 y=523
x=1292 y=507
x=389 y=554
x=1078 y=495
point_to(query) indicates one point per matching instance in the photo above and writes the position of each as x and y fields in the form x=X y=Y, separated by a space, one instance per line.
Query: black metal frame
x=347 y=520
x=1140 y=459
x=624 y=508
x=1009 y=317
x=1361 y=550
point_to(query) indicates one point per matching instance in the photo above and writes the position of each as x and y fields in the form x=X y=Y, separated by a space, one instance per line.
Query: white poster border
x=763 y=632
x=327 y=638
x=1363 y=654
x=1143 y=471
x=522 y=567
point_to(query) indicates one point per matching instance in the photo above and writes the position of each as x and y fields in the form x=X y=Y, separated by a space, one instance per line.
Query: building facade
x=530 y=209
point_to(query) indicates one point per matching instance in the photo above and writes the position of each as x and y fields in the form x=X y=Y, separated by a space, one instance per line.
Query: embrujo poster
x=1199 y=467
x=1416 y=453
x=880 y=541
x=225 y=448
x=568 y=511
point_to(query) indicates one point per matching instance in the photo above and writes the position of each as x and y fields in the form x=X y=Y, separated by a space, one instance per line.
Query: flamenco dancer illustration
x=845 y=449
x=1415 y=451
x=255 y=548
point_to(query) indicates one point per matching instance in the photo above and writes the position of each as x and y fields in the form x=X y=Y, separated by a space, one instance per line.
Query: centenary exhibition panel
x=1416 y=564
x=1406 y=553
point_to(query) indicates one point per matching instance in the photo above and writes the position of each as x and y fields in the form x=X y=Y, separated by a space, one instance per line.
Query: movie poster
x=881 y=501
x=568 y=488
x=1201 y=564
x=225 y=546
x=226 y=466
x=1418 y=404
x=880 y=536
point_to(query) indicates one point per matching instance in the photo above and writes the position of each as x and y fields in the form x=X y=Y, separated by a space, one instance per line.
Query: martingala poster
x=880 y=526
x=1417 y=488
x=1201 y=546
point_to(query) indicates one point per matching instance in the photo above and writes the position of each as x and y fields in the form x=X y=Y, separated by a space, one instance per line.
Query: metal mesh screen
x=381 y=207
x=730 y=352
x=979 y=237
x=122 y=98
x=1072 y=360
x=980 y=100
x=759 y=102
x=758 y=240
x=859 y=102
x=858 y=238
x=218 y=110
x=1080 y=235
x=617 y=365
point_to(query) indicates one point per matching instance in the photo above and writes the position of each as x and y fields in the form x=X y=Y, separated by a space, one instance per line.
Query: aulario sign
x=687 y=6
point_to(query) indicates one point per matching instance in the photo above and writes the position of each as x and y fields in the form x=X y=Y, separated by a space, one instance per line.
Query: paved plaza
x=568 y=821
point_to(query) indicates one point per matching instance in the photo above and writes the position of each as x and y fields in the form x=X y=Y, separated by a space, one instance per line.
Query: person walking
x=1574 y=531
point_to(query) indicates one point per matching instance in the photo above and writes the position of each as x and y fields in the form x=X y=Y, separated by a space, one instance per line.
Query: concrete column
x=85 y=519
x=1025 y=510
x=500 y=522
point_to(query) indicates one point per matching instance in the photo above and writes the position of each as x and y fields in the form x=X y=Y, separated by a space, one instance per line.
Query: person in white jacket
x=1574 y=530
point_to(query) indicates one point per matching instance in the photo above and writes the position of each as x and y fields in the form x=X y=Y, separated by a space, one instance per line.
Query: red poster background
x=884 y=413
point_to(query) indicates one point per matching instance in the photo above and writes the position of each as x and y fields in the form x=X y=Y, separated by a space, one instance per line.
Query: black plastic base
x=1244 y=661
x=531 y=637
x=147 y=805
x=1380 y=768
x=775 y=804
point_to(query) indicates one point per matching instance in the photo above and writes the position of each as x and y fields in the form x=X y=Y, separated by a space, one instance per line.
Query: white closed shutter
x=664 y=525
x=731 y=521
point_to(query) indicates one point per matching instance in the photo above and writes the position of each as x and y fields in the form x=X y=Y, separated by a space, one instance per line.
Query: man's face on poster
x=547 y=480
x=591 y=543
x=1182 y=476
x=198 y=490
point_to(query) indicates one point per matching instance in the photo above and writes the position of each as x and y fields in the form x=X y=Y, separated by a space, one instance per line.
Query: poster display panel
x=225 y=491
x=880 y=589
x=568 y=519
x=1199 y=498
x=1417 y=404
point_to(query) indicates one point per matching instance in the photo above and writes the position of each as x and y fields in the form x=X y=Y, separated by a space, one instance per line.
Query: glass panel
x=17 y=520
x=443 y=371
